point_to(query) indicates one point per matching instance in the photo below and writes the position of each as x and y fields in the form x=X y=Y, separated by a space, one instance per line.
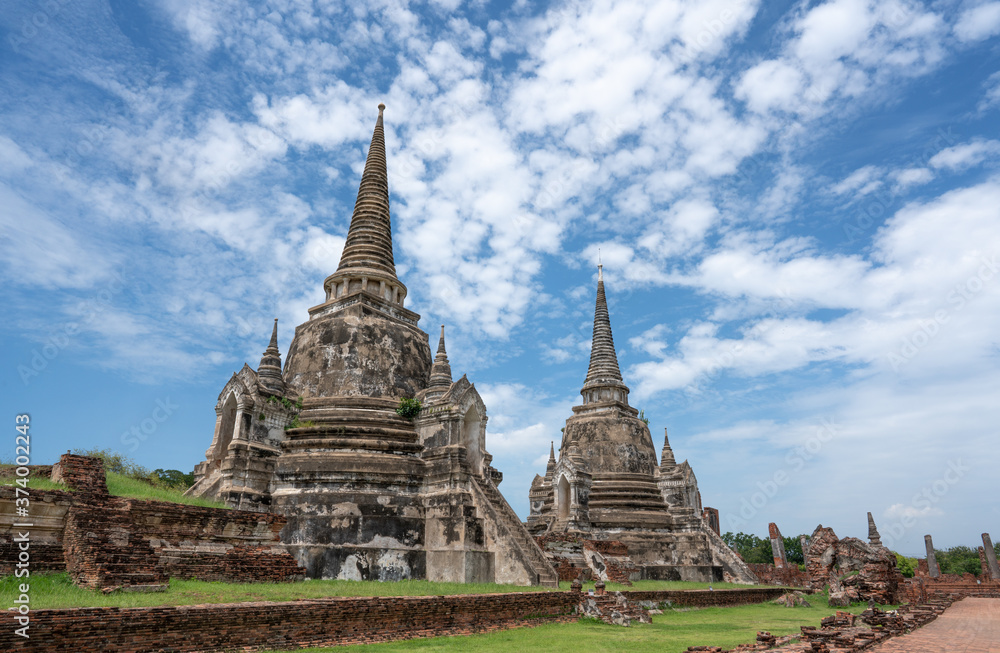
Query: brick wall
x=109 y=542
x=707 y=598
x=256 y=626
x=82 y=473
x=919 y=589
x=790 y=576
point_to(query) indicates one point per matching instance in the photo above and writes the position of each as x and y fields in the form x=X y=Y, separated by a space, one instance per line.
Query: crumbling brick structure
x=854 y=569
x=107 y=542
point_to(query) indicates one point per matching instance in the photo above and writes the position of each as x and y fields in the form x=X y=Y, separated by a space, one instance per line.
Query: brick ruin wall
x=707 y=598
x=108 y=542
x=789 y=576
x=296 y=624
x=924 y=588
x=319 y=622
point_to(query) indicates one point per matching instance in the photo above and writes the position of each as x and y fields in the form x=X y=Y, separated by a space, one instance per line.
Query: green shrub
x=408 y=408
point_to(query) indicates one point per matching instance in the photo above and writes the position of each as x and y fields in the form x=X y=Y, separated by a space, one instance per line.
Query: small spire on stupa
x=551 y=466
x=667 y=454
x=603 y=371
x=269 y=369
x=441 y=368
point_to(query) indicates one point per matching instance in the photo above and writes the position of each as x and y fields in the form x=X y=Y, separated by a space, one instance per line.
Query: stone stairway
x=519 y=536
x=731 y=563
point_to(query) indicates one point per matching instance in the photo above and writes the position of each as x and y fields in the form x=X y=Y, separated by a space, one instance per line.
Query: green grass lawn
x=670 y=632
x=56 y=591
x=120 y=485
x=41 y=483
x=126 y=486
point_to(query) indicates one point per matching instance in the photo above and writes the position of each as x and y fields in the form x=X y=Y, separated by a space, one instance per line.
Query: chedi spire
x=604 y=378
x=369 y=239
x=366 y=263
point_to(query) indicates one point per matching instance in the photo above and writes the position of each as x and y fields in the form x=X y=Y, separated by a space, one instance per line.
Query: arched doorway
x=227 y=427
x=471 y=427
x=564 y=491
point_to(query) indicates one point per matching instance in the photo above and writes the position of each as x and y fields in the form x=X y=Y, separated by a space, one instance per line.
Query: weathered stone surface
x=874 y=538
x=991 y=557
x=933 y=569
x=358 y=351
x=777 y=546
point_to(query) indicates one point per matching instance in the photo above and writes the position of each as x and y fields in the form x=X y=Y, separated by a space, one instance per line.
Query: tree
x=906 y=566
x=793 y=550
x=174 y=478
x=753 y=549
x=958 y=560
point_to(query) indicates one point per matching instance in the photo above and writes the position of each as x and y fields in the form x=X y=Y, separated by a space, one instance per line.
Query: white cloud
x=911 y=177
x=770 y=84
x=979 y=23
x=965 y=155
x=38 y=250
x=858 y=181
x=901 y=511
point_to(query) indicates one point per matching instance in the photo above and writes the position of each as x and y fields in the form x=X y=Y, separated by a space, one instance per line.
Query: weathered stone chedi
x=607 y=485
x=369 y=494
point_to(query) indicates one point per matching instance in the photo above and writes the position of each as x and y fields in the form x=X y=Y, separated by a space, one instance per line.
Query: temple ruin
x=373 y=484
x=606 y=485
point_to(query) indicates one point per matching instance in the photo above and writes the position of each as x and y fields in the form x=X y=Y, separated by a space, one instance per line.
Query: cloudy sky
x=797 y=206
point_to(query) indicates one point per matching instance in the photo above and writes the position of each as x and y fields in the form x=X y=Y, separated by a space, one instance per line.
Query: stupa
x=606 y=483
x=374 y=454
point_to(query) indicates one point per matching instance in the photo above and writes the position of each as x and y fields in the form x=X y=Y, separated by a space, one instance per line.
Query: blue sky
x=797 y=207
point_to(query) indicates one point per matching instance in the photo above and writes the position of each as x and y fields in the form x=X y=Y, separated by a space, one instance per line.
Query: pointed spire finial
x=366 y=264
x=369 y=238
x=667 y=454
x=441 y=368
x=269 y=369
x=603 y=370
x=274 y=335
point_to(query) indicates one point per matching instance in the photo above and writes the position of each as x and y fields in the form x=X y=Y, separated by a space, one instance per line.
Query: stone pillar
x=777 y=546
x=991 y=557
x=804 y=542
x=874 y=538
x=932 y=566
x=984 y=569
